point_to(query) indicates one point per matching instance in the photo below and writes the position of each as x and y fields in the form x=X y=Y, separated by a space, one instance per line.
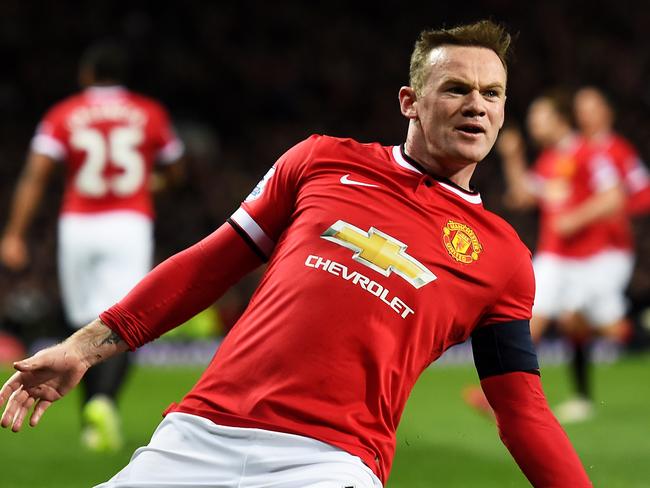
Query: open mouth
x=470 y=129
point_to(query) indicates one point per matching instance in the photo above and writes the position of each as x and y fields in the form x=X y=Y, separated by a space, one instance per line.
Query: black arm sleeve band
x=504 y=348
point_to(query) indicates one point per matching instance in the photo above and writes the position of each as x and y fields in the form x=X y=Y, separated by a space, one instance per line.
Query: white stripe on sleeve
x=253 y=230
x=173 y=150
x=603 y=174
x=48 y=146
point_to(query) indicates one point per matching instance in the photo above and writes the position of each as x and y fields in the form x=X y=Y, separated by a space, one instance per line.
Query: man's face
x=542 y=121
x=461 y=107
x=592 y=111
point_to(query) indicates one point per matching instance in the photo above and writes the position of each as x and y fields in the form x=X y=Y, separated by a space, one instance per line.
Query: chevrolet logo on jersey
x=380 y=252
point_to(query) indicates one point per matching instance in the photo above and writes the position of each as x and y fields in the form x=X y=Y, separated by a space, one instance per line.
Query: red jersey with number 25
x=109 y=139
x=375 y=269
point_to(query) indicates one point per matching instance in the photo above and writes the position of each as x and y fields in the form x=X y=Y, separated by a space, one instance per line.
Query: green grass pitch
x=441 y=443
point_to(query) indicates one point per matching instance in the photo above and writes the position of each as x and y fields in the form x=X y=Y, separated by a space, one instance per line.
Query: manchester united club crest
x=461 y=242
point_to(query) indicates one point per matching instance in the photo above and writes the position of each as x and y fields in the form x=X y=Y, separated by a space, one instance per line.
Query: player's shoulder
x=621 y=144
x=144 y=101
x=343 y=142
x=67 y=104
x=325 y=145
x=504 y=234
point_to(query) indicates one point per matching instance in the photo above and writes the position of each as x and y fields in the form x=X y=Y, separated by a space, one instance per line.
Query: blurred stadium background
x=246 y=80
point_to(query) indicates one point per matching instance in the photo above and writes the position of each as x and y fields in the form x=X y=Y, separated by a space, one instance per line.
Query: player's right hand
x=13 y=252
x=40 y=380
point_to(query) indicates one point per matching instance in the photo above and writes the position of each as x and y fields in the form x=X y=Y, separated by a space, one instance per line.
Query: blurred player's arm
x=507 y=365
x=597 y=207
x=26 y=199
x=174 y=291
x=512 y=149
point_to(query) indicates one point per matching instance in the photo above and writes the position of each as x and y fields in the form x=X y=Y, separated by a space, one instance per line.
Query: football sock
x=581 y=369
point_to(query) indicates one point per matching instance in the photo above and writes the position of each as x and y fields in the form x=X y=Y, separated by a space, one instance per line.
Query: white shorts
x=101 y=257
x=191 y=451
x=593 y=286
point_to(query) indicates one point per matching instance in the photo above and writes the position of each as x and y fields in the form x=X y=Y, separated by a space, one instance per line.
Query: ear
x=408 y=102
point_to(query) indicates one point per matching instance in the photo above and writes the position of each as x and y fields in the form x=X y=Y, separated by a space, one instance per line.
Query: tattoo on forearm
x=112 y=338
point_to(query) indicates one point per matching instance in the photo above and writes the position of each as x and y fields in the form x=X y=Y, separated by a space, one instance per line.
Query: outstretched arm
x=181 y=287
x=51 y=373
x=174 y=291
x=27 y=197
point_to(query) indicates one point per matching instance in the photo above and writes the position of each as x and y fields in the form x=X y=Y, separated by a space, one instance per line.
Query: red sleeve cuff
x=125 y=325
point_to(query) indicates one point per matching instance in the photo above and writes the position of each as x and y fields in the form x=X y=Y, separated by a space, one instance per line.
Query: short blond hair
x=483 y=33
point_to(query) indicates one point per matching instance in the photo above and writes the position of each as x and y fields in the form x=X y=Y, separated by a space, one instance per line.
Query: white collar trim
x=471 y=198
x=399 y=159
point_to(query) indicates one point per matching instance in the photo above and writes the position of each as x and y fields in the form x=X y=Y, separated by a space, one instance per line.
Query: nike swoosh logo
x=345 y=179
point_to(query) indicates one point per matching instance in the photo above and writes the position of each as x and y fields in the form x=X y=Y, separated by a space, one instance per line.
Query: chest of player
x=410 y=247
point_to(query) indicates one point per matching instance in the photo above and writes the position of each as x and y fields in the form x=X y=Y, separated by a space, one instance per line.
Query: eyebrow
x=459 y=81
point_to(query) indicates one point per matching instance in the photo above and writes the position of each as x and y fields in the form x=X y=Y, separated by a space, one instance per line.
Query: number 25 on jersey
x=119 y=146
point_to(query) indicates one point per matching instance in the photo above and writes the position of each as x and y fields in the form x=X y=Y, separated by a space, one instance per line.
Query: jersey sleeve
x=268 y=209
x=635 y=173
x=51 y=135
x=531 y=433
x=602 y=172
x=171 y=148
x=515 y=301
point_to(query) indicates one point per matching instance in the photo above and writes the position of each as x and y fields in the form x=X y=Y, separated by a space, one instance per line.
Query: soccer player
x=379 y=259
x=594 y=116
x=108 y=139
x=583 y=259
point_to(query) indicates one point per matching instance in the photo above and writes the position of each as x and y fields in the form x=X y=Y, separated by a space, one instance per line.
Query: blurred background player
x=583 y=260
x=108 y=138
x=594 y=117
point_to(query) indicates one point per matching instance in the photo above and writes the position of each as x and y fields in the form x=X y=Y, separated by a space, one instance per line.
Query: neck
x=597 y=134
x=458 y=172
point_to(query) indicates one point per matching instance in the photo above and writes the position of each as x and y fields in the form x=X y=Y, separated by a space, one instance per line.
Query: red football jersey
x=109 y=139
x=566 y=177
x=375 y=269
